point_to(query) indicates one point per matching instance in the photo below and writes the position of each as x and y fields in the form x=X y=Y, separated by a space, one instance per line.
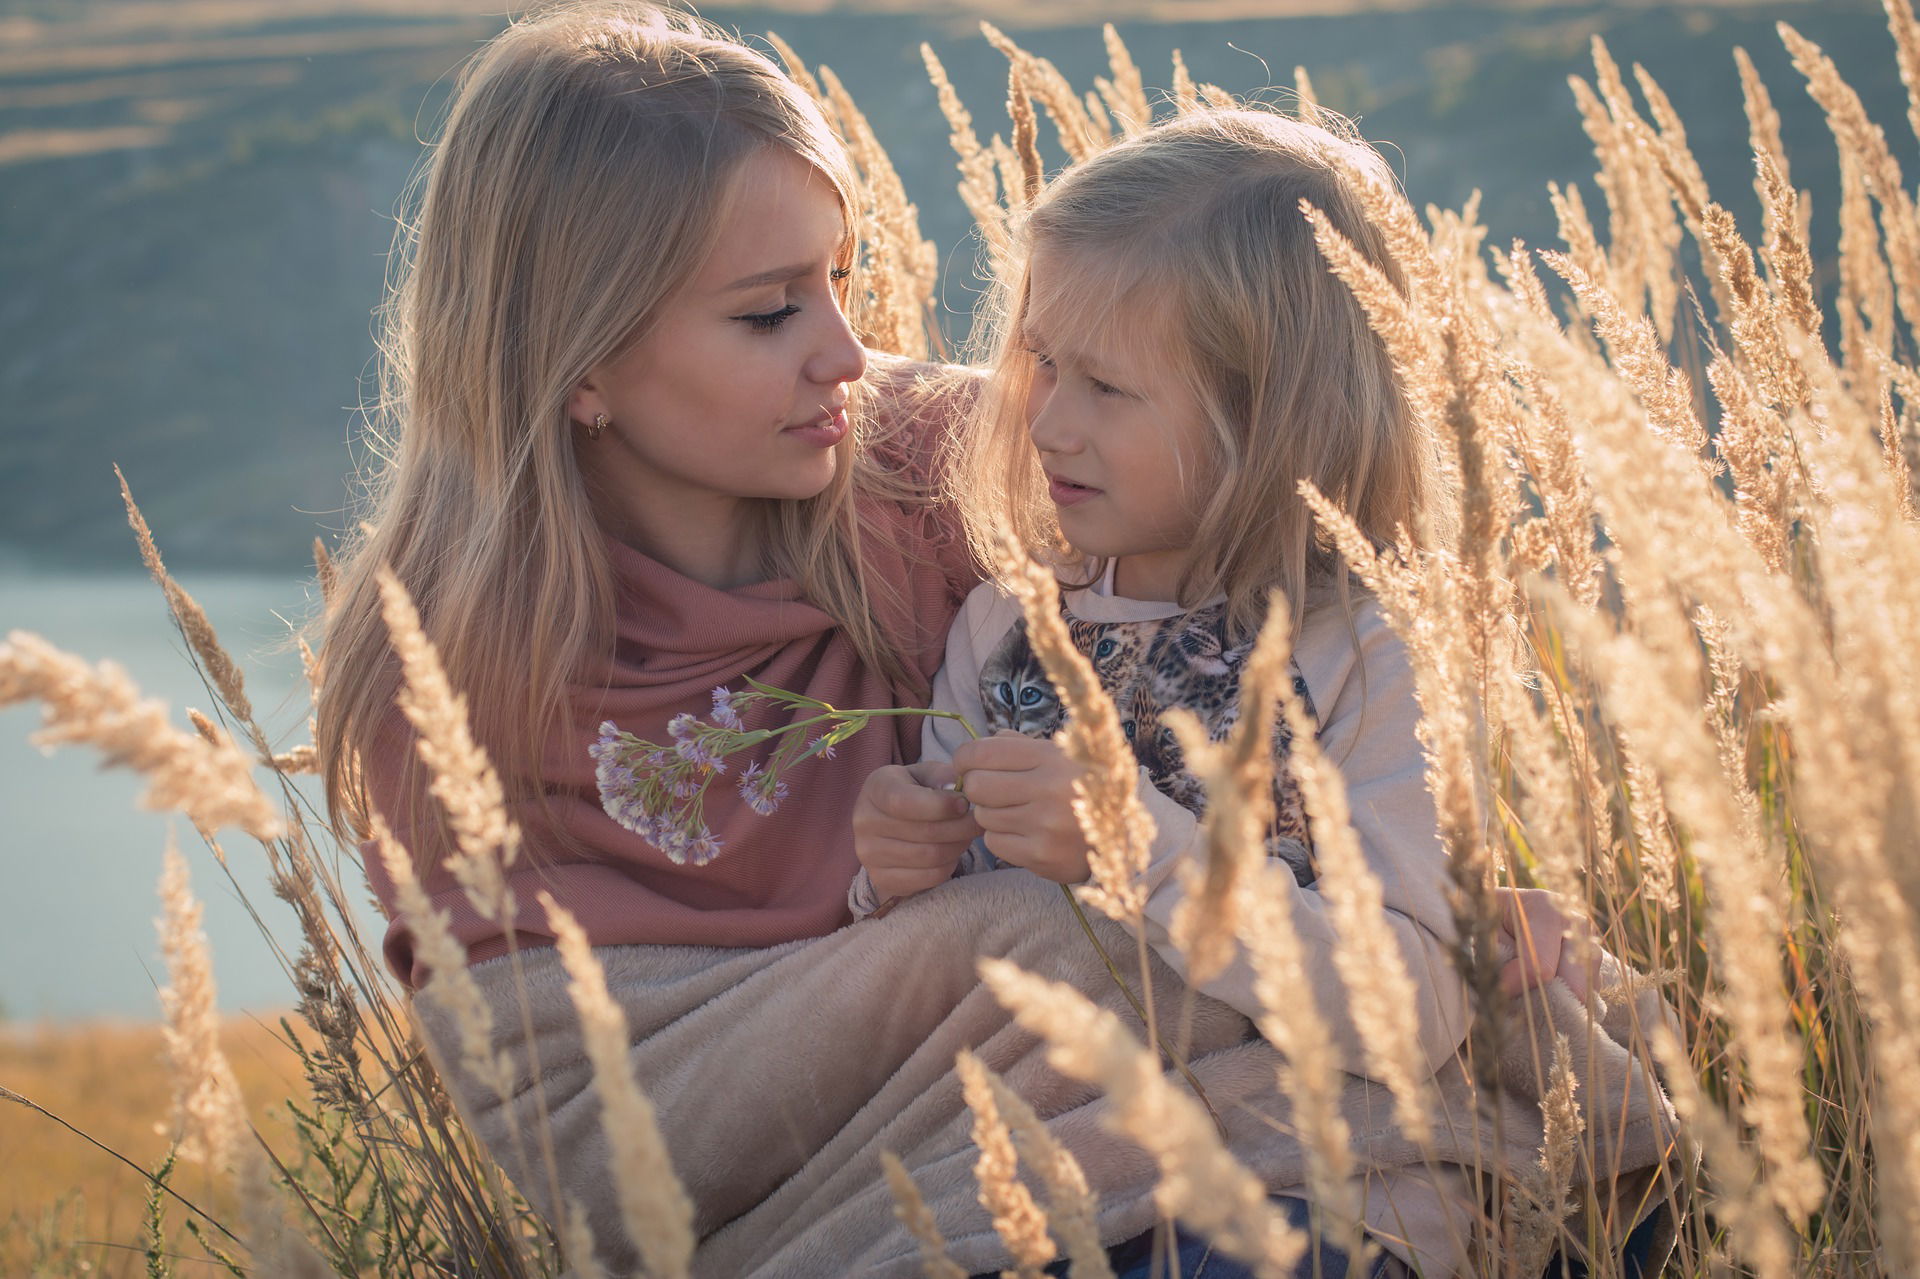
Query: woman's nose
x=840 y=357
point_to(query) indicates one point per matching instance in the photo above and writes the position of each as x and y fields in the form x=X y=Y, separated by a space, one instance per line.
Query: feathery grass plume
x=1185 y=96
x=1546 y=805
x=1306 y=103
x=301 y=759
x=1523 y=283
x=1763 y=120
x=1100 y=118
x=1544 y=441
x=1106 y=798
x=450 y=982
x=1867 y=143
x=1541 y=1196
x=208 y=1114
x=189 y=616
x=1639 y=354
x=1017 y=1219
x=463 y=778
x=1754 y=443
x=1026 y=136
x=1078 y=136
x=1789 y=262
x=99 y=706
x=1643 y=225
x=1656 y=851
x=325 y=572
x=576 y=1241
x=903 y=266
x=798 y=73
x=1906 y=43
x=1126 y=93
x=1752 y=314
x=1576 y=231
x=1865 y=304
x=1381 y=998
x=1745 y=912
x=1410 y=338
x=1752 y=1226
x=1238 y=775
x=913 y=1213
x=653 y=1206
x=1723 y=715
x=1074 y=1210
x=1893 y=449
x=979 y=190
x=1215 y=96
x=1309 y=1071
x=1200 y=1181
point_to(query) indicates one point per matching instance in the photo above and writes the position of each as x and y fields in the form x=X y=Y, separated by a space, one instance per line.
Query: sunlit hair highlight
x=1185 y=247
x=587 y=156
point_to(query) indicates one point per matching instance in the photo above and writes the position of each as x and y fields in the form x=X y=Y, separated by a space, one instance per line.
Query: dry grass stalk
x=1639 y=354
x=1541 y=1195
x=1017 y=1218
x=914 y=1214
x=1864 y=140
x=1238 y=775
x=1381 y=998
x=576 y=1242
x=1543 y=439
x=210 y=781
x=463 y=778
x=979 y=190
x=1656 y=849
x=1577 y=233
x=1078 y=135
x=1185 y=96
x=903 y=266
x=1906 y=43
x=208 y=1111
x=301 y=759
x=1306 y=103
x=1646 y=236
x=1102 y=121
x=1893 y=448
x=1126 y=93
x=797 y=70
x=1789 y=261
x=1763 y=122
x=189 y=616
x=1106 y=799
x=1754 y=444
x=1073 y=1208
x=325 y=571
x=1547 y=805
x=1200 y=1182
x=449 y=983
x=1215 y=96
x=654 y=1208
x=1026 y=136
x=1865 y=304
x=1752 y=314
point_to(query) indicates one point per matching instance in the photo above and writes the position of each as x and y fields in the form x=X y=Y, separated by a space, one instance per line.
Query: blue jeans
x=1138 y=1258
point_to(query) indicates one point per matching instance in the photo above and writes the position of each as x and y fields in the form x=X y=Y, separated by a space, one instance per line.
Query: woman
x=637 y=452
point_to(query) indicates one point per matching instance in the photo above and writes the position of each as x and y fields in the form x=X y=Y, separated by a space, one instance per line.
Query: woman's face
x=737 y=391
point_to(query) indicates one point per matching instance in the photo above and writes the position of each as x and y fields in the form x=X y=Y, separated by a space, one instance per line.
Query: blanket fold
x=780 y=1074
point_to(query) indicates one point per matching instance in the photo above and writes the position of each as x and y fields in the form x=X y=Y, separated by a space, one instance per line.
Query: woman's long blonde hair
x=1185 y=245
x=585 y=160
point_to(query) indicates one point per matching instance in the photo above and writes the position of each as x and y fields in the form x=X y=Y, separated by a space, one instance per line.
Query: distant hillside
x=194 y=216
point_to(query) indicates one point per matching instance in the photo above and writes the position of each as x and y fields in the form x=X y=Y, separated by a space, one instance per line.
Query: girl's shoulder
x=913 y=410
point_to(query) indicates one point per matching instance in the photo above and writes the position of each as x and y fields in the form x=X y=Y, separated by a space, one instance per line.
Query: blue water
x=79 y=859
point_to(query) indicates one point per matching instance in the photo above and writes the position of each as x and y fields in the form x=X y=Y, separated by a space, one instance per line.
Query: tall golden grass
x=1663 y=667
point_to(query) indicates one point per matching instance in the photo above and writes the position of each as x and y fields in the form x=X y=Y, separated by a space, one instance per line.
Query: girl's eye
x=1043 y=360
x=770 y=320
x=1104 y=388
x=839 y=273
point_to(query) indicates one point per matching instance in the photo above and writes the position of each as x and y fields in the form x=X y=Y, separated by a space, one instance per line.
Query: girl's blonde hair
x=1185 y=247
x=587 y=156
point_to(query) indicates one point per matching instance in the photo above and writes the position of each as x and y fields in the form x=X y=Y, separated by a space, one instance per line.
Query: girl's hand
x=1543 y=942
x=908 y=832
x=1022 y=793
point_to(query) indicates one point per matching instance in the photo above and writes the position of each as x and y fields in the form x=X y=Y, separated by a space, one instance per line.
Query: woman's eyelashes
x=768 y=321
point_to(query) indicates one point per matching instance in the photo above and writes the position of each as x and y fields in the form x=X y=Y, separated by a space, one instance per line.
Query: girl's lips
x=1067 y=493
x=824 y=431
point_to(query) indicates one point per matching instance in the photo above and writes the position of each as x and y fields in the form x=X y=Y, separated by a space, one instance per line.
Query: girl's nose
x=1048 y=426
x=839 y=357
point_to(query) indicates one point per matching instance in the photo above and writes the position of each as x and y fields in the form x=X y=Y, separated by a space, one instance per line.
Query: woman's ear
x=586 y=403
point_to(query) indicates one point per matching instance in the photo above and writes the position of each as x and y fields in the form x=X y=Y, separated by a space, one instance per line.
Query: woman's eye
x=770 y=320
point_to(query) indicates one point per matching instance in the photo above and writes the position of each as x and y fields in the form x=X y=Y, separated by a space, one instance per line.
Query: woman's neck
x=712 y=541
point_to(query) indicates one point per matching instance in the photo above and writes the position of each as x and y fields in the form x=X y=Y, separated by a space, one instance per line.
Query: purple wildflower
x=683 y=726
x=704 y=847
x=697 y=751
x=724 y=713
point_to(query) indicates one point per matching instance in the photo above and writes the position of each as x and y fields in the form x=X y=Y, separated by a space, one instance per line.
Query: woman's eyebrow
x=778 y=275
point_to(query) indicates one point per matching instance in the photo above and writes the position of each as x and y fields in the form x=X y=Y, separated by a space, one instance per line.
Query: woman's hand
x=1022 y=793
x=907 y=831
x=1544 y=942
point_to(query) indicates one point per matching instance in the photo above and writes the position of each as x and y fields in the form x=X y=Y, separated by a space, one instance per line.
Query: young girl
x=1175 y=359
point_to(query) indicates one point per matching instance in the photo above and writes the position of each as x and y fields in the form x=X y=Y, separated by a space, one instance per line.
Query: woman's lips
x=1067 y=493
x=824 y=431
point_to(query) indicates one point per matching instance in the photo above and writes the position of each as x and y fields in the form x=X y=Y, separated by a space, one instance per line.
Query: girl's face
x=1120 y=440
x=737 y=392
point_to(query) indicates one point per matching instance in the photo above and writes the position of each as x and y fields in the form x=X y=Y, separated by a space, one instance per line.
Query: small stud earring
x=599 y=425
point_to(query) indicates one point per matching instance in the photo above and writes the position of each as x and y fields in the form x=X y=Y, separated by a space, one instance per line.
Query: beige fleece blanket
x=781 y=1074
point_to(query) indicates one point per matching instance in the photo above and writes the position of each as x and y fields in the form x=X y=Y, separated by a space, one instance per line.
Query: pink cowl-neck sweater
x=780 y=877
